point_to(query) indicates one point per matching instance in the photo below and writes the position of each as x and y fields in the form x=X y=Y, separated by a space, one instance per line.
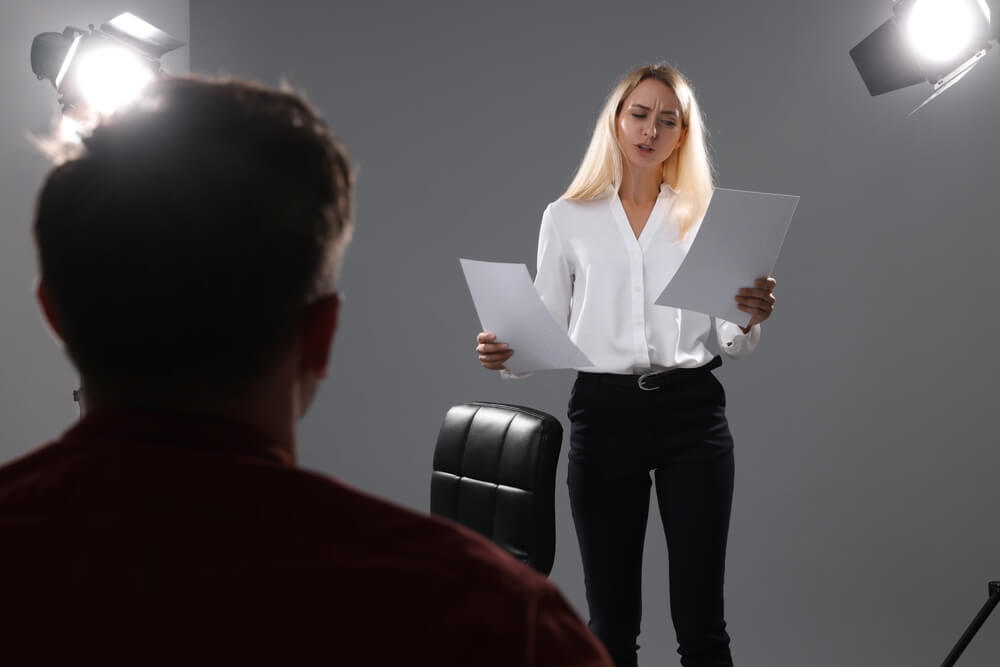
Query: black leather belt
x=653 y=380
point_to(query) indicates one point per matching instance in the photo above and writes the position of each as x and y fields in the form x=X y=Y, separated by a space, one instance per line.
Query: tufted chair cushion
x=494 y=472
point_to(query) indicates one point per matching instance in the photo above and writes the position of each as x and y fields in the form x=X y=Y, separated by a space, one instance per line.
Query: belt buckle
x=642 y=379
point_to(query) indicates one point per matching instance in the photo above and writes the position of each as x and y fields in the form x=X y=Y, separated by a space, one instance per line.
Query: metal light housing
x=934 y=41
x=96 y=70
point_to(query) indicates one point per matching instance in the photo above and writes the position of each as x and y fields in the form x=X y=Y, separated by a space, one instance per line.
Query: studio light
x=97 y=70
x=933 y=41
x=942 y=30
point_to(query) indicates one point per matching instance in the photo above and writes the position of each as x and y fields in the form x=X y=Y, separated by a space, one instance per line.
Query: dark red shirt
x=153 y=540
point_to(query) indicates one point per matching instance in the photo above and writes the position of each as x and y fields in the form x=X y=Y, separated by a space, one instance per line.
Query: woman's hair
x=688 y=170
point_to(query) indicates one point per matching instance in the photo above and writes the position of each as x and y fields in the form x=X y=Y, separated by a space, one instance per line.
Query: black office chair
x=495 y=471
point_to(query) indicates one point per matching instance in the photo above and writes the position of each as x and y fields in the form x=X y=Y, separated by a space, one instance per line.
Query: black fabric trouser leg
x=617 y=436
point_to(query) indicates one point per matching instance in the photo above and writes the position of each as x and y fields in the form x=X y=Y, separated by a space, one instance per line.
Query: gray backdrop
x=863 y=528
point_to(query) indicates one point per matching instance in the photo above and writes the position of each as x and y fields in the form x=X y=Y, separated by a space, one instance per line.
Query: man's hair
x=182 y=244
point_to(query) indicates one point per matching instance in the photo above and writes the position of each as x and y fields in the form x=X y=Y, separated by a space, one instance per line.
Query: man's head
x=187 y=245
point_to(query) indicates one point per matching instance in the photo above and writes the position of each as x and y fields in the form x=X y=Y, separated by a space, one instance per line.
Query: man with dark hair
x=188 y=257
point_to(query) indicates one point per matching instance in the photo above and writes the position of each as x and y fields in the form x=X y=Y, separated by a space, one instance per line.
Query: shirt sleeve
x=733 y=342
x=561 y=638
x=553 y=279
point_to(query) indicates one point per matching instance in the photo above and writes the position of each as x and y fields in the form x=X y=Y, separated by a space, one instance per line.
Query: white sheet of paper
x=738 y=241
x=509 y=306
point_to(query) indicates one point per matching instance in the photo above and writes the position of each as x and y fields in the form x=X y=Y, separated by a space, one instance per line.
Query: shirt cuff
x=734 y=343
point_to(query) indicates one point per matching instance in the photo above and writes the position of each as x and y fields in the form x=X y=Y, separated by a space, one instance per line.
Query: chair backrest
x=495 y=471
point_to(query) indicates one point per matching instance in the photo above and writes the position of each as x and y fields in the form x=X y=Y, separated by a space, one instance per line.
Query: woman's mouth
x=644 y=148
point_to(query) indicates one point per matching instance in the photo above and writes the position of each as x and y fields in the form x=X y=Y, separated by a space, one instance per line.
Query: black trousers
x=618 y=435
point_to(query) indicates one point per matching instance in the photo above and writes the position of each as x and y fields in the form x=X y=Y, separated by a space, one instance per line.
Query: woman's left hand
x=758 y=301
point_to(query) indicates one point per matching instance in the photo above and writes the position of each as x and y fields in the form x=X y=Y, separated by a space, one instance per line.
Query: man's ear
x=319 y=327
x=48 y=309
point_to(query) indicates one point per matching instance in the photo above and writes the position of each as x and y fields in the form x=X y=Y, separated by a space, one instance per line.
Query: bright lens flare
x=111 y=77
x=940 y=30
x=70 y=130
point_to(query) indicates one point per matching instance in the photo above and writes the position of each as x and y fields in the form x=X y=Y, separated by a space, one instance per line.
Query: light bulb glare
x=941 y=30
x=110 y=77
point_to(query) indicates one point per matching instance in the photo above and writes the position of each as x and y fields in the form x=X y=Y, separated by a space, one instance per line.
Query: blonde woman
x=650 y=403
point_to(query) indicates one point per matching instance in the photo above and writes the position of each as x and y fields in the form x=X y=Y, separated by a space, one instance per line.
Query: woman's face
x=649 y=124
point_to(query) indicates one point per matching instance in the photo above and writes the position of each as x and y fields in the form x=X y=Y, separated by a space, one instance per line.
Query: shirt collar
x=209 y=433
x=664 y=189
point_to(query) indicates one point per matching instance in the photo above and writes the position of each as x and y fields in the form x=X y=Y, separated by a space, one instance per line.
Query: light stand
x=977 y=622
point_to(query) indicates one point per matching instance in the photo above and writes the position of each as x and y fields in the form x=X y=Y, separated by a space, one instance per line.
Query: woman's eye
x=638 y=115
x=669 y=123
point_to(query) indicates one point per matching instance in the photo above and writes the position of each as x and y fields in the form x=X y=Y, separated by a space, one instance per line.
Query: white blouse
x=600 y=282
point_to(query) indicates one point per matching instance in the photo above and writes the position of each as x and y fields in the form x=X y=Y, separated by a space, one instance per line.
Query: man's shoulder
x=27 y=468
x=295 y=538
x=355 y=546
x=264 y=500
x=277 y=498
x=400 y=537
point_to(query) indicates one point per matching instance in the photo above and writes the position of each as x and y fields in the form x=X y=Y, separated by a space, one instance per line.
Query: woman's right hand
x=492 y=354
